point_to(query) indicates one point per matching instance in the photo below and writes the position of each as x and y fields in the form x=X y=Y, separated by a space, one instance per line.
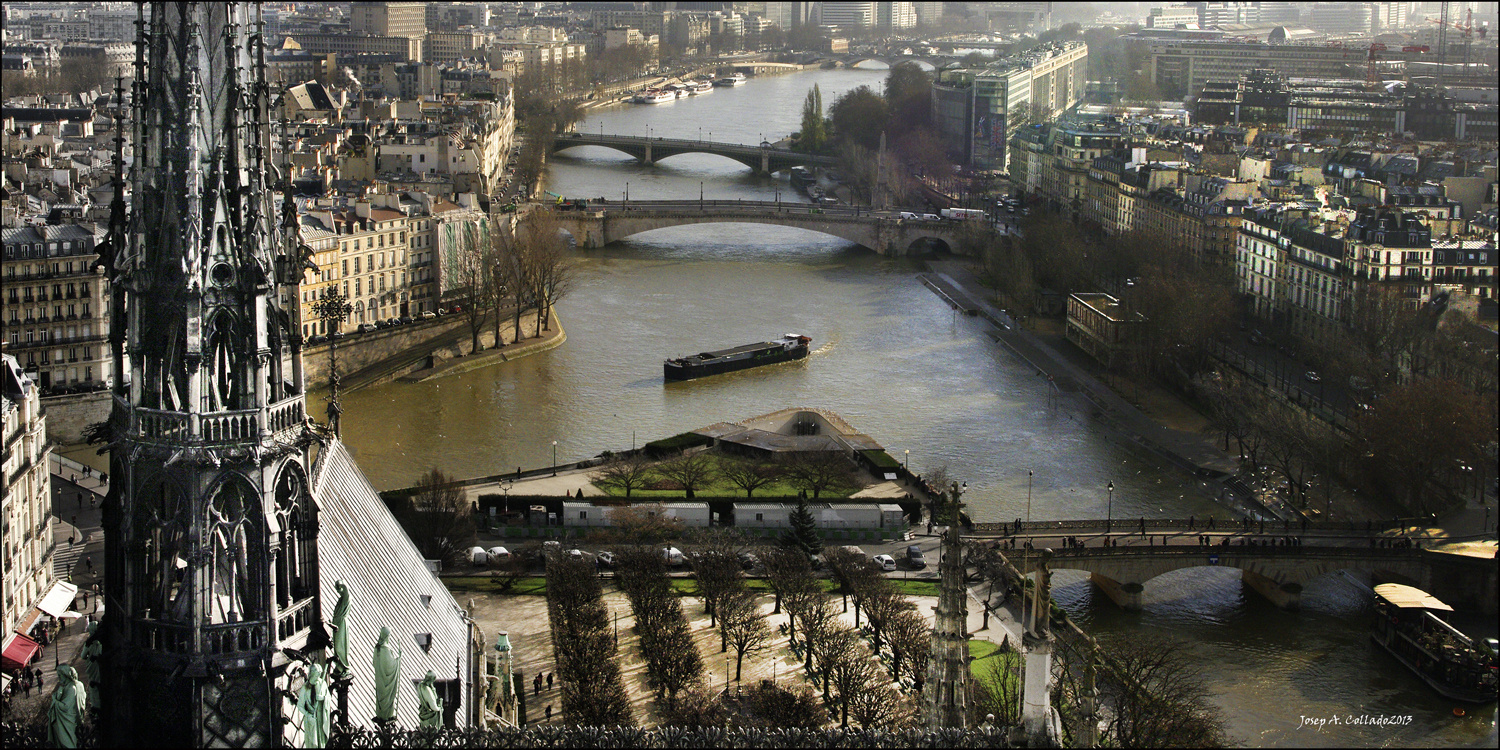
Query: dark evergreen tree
x=803 y=535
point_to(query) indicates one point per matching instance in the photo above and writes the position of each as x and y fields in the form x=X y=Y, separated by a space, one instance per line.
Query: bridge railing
x=1048 y=528
x=1257 y=550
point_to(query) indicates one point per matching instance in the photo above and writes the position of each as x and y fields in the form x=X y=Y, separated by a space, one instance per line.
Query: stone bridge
x=882 y=231
x=1277 y=573
x=761 y=159
x=936 y=62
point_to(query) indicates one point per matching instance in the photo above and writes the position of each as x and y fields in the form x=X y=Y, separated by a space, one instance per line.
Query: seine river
x=893 y=360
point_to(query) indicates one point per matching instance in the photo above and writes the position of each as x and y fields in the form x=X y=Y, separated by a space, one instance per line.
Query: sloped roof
x=363 y=545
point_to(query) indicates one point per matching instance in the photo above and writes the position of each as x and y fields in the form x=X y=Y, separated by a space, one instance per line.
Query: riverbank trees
x=437 y=518
x=592 y=690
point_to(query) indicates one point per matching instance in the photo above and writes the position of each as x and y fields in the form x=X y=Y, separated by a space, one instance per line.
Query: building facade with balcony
x=27 y=537
x=53 y=305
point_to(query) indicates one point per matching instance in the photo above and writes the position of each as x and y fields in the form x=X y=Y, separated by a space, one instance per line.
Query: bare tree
x=785 y=571
x=691 y=471
x=911 y=642
x=748 y=475
x=626 y=473
x=820 y=471
x=880 y=706
x=719 y=575
x=437 y=518
x=472 y=257
x=644 y=523
x=744 y=626
x=1418 y=434
x=550 y=267
x=1166 y=703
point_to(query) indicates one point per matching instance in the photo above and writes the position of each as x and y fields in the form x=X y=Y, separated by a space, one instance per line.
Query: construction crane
x=1372 y=72
x=1467 y=28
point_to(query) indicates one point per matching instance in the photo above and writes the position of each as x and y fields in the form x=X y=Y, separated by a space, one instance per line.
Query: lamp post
x=1028 y=496
x=700 y=194
x=554 y=459
x=627 y=192
x=906 y=460
x=1109 y=510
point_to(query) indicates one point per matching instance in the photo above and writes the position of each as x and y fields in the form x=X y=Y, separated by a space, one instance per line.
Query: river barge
x=1409 y=625
x=789 y=347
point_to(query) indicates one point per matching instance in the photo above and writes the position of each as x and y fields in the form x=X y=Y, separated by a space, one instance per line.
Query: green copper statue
x=387 y=662
x=341 y=632
x=64 y=713
x=430 y=706
x=91 y=653
x=317 y=713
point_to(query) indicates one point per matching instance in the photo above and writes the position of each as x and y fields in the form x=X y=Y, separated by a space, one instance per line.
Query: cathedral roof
x=361 y=543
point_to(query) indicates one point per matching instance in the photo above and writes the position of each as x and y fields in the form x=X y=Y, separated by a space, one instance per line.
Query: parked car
x=607 y=559
x=405 y=320
x=381 y=324
x=886 y=562
x=1312 y=376
x=748 y=560
x=316 y=339
x=915 y=558
x=672 y=556
x=428 y=315
x=364 y=328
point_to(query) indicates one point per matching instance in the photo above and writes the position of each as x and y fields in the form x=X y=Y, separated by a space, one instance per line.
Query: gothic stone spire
x=211 y=531
x=945 y=695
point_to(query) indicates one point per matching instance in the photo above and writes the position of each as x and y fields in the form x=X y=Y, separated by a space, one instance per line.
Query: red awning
x=18 y=652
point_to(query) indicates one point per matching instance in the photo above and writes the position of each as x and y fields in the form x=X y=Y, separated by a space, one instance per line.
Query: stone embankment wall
x=68 y=416
x=361 y=350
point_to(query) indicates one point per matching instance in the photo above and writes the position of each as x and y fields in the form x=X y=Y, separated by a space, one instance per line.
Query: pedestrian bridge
x=603 y=222
x=761 y=159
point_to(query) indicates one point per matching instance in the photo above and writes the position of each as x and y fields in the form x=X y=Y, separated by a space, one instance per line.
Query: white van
x=931 y=217
x=478 y=556
x=672 y=556
x=908 y=216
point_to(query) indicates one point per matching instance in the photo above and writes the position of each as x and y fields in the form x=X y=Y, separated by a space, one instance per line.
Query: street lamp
x=554 y=458
x=1028 y=496
x=906 y=461
x=627 y=192
x=1109 y=510
x=700 y=194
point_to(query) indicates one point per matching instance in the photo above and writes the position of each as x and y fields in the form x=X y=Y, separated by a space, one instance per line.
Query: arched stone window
x=234 y=536
x=223 y=346
x=296 y=542
x=159 y=557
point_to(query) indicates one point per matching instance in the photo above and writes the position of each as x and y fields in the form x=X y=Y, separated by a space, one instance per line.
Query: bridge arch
x=661 y=153
x=891 y=62
x=621 y=228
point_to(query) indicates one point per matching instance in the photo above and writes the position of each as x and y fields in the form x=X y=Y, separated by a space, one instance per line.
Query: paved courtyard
x=524 y=617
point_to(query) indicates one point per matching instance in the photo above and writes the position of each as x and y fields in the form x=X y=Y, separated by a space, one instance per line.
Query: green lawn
x=986 y=657
x=488 y=585
x=916 y=588
x=779 y=490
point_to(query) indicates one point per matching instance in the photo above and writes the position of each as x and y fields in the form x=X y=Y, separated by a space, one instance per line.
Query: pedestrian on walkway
x=549 y=680
x=549 y=712
x=536 y=684
x=88 y=562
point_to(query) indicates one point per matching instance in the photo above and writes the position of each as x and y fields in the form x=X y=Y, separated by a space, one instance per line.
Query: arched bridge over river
x=762 y=159
x=1275 y=560
x=603 y=222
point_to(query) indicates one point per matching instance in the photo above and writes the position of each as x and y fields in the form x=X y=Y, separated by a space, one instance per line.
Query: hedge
x=880 y=459
x=662 y=447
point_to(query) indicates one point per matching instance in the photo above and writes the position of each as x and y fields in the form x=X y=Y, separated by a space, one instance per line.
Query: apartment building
x=405 y=19
x=55 y=306
x=1182 y=67
x=1037 y=85
x=27 y=499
